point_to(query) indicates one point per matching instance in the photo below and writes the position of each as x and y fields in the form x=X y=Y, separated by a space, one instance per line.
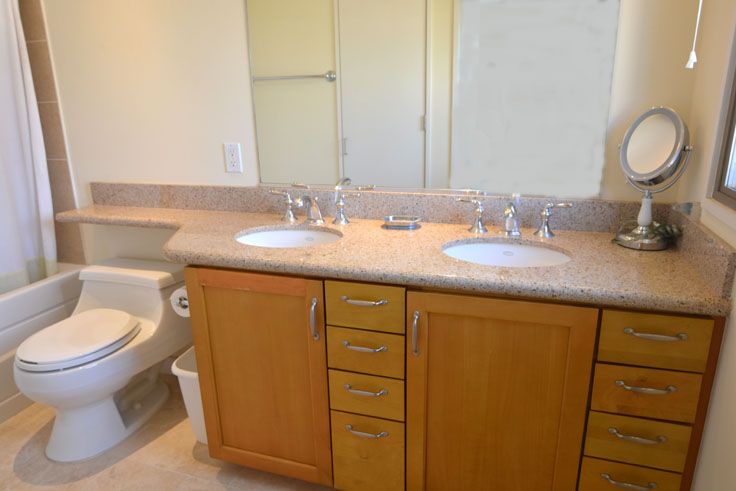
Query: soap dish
x=399 y=222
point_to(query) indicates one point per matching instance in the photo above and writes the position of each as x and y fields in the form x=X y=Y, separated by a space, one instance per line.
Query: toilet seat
x=79 y=339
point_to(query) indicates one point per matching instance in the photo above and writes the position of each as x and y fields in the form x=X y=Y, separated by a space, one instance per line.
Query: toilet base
x=83 y=433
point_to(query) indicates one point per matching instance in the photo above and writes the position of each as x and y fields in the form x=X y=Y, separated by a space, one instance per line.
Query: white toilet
x=99 y=368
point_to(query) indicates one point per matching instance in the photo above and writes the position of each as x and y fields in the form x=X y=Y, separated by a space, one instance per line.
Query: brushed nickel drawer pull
x=313 y=320
x=363 y=349
x=656 y=337
x=365 y=393
x=628 y=485
x=363 y=303
x=647 y=390
x=638 y=439
x=366 y=435
x=415 y=334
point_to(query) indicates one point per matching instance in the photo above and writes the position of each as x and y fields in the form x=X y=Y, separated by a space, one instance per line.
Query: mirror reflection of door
x=368 y=124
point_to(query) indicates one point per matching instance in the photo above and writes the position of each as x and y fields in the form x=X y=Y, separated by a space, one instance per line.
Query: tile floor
x=162 y=455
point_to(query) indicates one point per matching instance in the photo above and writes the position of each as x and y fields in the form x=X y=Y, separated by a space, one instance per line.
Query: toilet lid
x=77 y=340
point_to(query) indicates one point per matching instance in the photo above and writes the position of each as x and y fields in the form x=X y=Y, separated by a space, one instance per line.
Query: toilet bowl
x=99 y=368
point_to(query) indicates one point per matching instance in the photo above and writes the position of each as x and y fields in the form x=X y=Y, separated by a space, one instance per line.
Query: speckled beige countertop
x=600 y=273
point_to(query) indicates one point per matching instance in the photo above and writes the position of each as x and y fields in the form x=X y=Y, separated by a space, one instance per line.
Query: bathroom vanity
x=365 y=386
x=376 y=361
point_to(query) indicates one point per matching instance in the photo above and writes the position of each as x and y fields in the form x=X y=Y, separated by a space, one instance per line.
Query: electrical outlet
x=233 y=160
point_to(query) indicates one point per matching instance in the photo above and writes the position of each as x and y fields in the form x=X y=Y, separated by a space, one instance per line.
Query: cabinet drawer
x=374 y=307
x=591 y=478
x=680 y=343
x=346 y=349
x=363 y=460
x=345 y=388
x=611 y=396
x=608 y=437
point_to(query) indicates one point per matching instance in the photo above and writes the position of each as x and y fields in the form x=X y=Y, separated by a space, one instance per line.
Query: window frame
x=721 y=192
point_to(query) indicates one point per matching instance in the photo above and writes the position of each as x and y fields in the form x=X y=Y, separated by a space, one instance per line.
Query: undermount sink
x=287 y=237
x=505 y=254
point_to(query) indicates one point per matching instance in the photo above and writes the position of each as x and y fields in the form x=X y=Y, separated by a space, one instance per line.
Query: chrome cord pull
x=363 y=303
x=638 y=439
x=647 y=390
x=365 y=393
x=362 y=349
x=628 y=485
x=365 y=435
x=415 y=334
x=313 y=320
x=656 y=337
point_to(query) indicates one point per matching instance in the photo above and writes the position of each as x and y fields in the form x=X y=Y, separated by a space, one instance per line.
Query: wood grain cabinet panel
x=262 y=373
x=496 y=392
x=365 y=461
x=678 y=343
x=361 y=353
x=593 y=470
x=619 y=438
x=677 y=404
x=365 y=306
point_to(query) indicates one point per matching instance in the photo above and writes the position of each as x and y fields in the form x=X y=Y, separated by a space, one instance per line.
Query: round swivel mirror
x=653 y=156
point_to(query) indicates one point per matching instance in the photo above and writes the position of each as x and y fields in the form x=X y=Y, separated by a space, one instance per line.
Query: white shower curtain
x=27 y=245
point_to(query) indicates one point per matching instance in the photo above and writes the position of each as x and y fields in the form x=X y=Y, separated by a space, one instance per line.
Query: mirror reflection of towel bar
x=329 y=77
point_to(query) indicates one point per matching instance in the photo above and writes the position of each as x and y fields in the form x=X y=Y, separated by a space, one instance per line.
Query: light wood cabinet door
x=262 y=372
x=496 y=392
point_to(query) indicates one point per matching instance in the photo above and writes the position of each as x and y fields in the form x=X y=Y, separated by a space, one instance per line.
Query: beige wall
x=716 y=49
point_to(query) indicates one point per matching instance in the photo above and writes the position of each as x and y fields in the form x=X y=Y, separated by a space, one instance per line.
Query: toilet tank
x=137 y=286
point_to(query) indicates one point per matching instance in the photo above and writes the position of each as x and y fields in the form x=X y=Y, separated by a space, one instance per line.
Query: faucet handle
x=544 y=230
x=477 y=227
x=299 y=185
x=340 y=218
x=551 y=204
x=289 y=213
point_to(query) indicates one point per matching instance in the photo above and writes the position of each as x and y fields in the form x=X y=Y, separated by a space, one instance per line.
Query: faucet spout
x=509 y=225
x=314 y=214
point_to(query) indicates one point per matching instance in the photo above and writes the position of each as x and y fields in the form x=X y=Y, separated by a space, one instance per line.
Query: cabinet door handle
x=415 y=334
x=647 y=390
x=628 y=485
x=364 y=349
x=365 y=393
x=366 y=435
x=363 y=303
x=656 y=337
x=313 y=320
x=638 y=439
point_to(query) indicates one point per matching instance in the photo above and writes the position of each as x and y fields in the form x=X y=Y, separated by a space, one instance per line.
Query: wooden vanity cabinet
x=261 y=357
x=496 y=392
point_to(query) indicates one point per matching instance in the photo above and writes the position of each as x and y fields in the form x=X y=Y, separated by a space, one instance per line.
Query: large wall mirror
x=507 y=96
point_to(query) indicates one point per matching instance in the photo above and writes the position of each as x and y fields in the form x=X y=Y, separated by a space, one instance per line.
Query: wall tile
x=43 y=75
x=53 y=134
x=69 y=243
x=31 y=15
x=62 y=193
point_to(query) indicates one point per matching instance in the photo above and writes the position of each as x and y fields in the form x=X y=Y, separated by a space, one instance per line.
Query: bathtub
x=25 y=311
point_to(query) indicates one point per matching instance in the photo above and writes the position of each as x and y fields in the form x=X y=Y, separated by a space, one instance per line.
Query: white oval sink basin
x=506 y=254
x=287 y=237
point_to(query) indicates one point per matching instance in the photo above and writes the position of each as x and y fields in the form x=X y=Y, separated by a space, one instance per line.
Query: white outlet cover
x=233 y=159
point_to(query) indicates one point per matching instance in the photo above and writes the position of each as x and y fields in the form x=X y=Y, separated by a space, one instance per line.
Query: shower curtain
x=27 y=244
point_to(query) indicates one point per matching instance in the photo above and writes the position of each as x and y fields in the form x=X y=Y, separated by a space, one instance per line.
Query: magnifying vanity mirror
x=653 y=156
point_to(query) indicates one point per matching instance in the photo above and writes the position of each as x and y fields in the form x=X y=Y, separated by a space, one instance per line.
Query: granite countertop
x=600 y=273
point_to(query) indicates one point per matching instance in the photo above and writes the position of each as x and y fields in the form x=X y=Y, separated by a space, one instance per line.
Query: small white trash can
x=185 y=368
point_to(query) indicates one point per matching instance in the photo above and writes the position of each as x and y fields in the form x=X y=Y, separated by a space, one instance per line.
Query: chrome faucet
x=477 y=227
x=289 y=214
x=340 y=218
x=544 y=230
x=314 y=214
x=509 y=225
